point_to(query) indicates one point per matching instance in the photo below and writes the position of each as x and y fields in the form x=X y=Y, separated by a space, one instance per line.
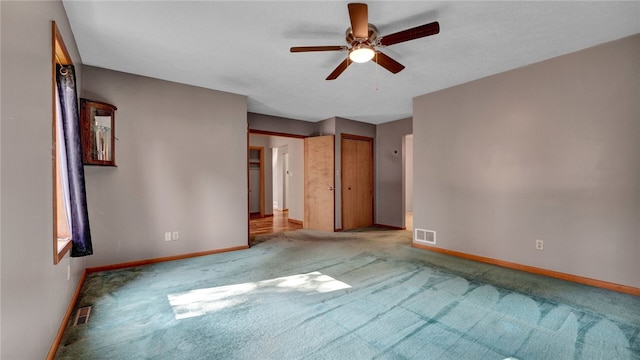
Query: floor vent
x=82 y=316
x=425 y=236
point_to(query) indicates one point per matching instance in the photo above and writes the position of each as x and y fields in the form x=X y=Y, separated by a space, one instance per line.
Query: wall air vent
x=422 y=236
x=82 y=316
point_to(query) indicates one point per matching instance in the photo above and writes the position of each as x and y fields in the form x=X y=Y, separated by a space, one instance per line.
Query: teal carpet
x=350 y=295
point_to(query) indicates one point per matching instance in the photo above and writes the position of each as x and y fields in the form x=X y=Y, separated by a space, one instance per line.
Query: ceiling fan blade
x=342 y=67
x=359 y=15
x=387 y=62
x=410 y=34
x=317 y=48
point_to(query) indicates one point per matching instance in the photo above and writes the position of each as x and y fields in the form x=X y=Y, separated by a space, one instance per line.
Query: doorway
x=282 y=182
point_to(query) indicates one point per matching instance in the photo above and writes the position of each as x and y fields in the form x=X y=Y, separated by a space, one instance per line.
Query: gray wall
x=408 y=173
x=182 y=166
x=390 y=199
x=550 y=151
x=280 y=125
x=35 y=293
x=326 y=127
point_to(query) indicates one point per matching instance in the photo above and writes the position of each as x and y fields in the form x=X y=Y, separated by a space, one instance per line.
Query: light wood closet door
x=319 y=172
x=357 y=182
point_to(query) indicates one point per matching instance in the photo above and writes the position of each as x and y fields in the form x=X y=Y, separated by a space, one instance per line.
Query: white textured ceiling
x=243 y=47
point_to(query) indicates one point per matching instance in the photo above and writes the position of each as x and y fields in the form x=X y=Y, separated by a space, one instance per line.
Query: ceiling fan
x=363 y=41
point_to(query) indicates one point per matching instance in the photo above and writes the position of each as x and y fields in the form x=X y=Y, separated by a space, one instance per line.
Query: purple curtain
x=80 y=232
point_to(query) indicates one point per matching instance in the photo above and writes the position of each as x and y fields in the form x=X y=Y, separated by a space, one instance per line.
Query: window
x=61 y=218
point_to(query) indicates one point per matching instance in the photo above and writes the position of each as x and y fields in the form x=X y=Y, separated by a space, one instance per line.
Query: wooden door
x=357 y=182
x=256 y=181
x=319 y=175
x=254 y=189
x=349 y=182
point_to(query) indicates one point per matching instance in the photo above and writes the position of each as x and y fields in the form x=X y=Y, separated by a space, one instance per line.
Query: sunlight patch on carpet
x=199 y=302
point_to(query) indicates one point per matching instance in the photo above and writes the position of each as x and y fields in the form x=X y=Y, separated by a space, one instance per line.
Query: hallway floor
x=272 y=224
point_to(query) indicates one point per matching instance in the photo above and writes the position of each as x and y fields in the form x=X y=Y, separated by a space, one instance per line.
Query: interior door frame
x=267 y=133
x=343 y=137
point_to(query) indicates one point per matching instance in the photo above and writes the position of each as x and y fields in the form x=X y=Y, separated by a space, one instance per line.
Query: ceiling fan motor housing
x=371 y=40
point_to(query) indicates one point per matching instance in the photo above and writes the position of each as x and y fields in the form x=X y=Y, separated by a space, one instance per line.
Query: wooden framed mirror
x=97 y=121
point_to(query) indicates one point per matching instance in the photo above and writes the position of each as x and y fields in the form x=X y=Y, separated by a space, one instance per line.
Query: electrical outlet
x=167 y=236
x=539 y=245
x=175 y=235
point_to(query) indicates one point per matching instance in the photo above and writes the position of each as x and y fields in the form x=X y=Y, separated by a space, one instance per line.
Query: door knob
x=331 y=188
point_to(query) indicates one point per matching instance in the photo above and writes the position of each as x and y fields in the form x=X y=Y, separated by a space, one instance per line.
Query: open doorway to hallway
x=283 y=165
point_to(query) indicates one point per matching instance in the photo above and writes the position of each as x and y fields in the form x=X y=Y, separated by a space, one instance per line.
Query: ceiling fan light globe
x=361 y=54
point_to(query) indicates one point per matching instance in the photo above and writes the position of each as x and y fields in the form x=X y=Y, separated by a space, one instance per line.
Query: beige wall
x=182 y=166
x=550 y=151
x=35 y=293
